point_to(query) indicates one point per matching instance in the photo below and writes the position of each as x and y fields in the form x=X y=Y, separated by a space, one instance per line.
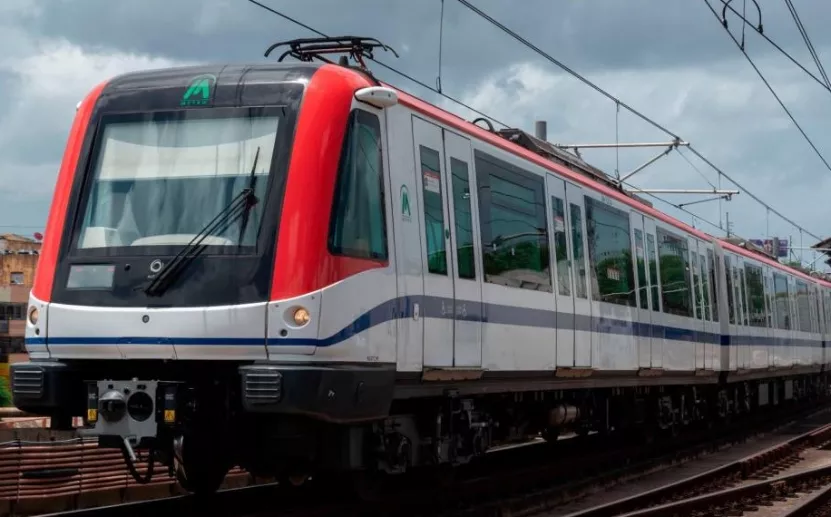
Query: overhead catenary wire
x=801 y=28
x=585 y=81
x=772 y=91
x=640 y=115
x=760 y=31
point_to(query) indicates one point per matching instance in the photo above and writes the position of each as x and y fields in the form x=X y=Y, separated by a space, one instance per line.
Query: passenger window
x=464 y=219
x=713 y=285
x=358 y=226
x=577 y=250
x=513 y=225
x=705 y=284
x=653 y=272
x=743 y=290
x=731 y=303
x=643 y=282
x=433 y=214
x=696 y=282
x=756 y=296
x=610 y=253
x=780 y=286
x=675 y=274
x=560 y=243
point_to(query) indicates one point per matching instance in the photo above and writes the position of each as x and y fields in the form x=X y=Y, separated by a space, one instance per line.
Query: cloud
x=44 y=86
x=723 y=110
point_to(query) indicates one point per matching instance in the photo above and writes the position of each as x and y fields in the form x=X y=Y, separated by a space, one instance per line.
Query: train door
x=657 y=334
x=467 y=337
x=643 y=314
x=697 y=299
x=563 y=270
x=452 y=294
x=712 y=340
x=584 y=312
x=574 y=324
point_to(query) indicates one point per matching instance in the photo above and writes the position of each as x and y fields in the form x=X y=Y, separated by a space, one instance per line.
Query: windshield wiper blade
x=241 y=204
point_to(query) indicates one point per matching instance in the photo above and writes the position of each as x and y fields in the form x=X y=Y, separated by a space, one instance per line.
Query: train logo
x=199 y=91
x=405 y=203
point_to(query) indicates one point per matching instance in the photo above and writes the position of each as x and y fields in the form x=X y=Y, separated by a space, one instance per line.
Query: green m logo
x=199 y=91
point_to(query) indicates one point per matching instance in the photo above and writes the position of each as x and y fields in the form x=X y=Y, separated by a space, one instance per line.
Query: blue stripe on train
x=442 y=308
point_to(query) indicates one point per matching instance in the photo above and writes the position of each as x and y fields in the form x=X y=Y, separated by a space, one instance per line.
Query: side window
x=653 y=272
x=639 y=256
x=756 y=296
x=610 y=253
x=780 y=286
x=675 y=274
x=743 y=290
x=513 y=225
x=577 y=250
x=705 y=283
x=464 y=219
x=358 y=226
x=731 y=303
x=713 y=285
x=803 y=306
x=433 y=212
x=560 y=246
x=696 y=285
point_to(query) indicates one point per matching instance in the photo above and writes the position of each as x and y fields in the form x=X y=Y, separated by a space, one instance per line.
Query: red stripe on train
x=45 y=273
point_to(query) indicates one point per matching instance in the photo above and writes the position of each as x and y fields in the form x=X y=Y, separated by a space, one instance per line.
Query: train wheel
x=200 y=468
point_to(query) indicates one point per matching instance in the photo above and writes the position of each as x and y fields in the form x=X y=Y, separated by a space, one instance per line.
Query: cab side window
x=358 y=226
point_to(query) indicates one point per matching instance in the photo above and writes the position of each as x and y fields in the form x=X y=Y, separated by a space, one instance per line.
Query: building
x=18 y=261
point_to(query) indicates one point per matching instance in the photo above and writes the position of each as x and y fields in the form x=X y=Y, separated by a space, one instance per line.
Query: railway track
x=526 y=481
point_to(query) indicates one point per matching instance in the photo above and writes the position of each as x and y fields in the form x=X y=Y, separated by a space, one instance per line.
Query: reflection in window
x=577 y=251
x=755 y=295
x=803 y=306
x=464 y=220
x=16 y=278
x=358 y=227
x=560 y=243
x=696 y=286
x=643 y=282
x=610 y=253
x=653 y=272
x=675 y=274
x=705 y=284
x=433 y=214
x=731 y=303
x=743 y=290
x=713 y=285
x=513 y=225
x=783 y=317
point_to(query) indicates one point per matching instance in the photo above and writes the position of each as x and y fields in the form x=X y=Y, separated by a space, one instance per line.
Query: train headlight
x=33 y=315
x=301 y=316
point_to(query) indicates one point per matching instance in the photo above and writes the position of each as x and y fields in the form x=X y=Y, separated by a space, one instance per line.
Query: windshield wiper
x=240 y=205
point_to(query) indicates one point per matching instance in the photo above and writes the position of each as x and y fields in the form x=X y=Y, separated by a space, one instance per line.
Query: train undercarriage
x=202 y=427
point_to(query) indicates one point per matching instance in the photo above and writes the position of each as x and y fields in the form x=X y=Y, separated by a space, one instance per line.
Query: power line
x=585 y=81
x=772 y=91
x=628 y=108
x=760 y=31
x=384 y=65
x=801 y=28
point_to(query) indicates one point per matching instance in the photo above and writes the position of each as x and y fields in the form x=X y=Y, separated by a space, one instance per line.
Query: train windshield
x=159 y=178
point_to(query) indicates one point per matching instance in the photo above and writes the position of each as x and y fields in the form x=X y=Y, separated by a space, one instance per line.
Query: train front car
x=186 y=249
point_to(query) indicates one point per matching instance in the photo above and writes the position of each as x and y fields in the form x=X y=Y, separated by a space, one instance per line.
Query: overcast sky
x=670 y=59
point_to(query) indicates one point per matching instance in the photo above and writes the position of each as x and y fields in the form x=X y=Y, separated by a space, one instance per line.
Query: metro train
x=294 y=268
